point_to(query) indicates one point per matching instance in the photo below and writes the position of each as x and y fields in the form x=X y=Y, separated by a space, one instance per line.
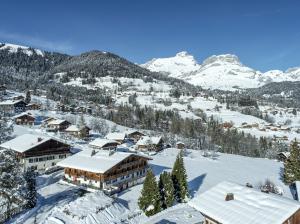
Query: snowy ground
x=203 y=173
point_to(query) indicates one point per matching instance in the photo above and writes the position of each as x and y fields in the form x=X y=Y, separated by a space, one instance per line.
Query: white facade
x=42 y=162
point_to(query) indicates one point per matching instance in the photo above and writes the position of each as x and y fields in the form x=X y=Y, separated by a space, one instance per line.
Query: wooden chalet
x=10 y=107
x=24 y=119
x=37 y=152
x=109 y=171
x=57 y=125
x=104 y=144
x=283 y=156
x=228 y=203
x=135 y=136
x=116 y=136
x=180 y=145
x=33 y=106
x=79 y=132
x=148 y=143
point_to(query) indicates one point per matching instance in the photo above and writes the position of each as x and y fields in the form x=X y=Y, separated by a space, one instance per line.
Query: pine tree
x=28 y=97
x=179 y=178
x=166 y=190
x=31 y=195
x=81 y=122
x=149 y=201
x=5 y=130
x=12 y=182
x=292 y=164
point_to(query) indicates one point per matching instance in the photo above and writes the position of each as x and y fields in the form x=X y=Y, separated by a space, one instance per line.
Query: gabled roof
x=129 y=132
x=75 y=128
x=181 y=213
x=100 y=142
x=24 y=142
x=147 y=140
x=115 y=136
x=96 y=161
x=249 y=206
x=23 y=114
x=56 y=122
x=11 y=102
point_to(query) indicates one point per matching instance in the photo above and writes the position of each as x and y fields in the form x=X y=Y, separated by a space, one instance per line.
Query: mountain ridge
x=223 y=71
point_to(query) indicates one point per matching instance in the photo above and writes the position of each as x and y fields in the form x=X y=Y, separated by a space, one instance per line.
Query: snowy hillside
x=13 y=48
x=218 y=72
x=179 y=65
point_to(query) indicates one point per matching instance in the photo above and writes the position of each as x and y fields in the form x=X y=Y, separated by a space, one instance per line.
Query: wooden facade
x=151 y=146
x=58 y=127
x=24 y=119
x=135 y=136
x=294 y=219
x=180 y=145
x=50 y=147
x=82 y=132
x=33 y=106
x=121 y=176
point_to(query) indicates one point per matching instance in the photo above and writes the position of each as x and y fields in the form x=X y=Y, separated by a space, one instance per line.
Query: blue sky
x=263 y=34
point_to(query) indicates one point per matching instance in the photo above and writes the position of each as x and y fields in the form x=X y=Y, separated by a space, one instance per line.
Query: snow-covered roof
x=96 y=161
x=75 y=128
x=115 y=136
x=249 y=206
x=286 y=154
x=100 y=142
x=129 y=132
x=149 y=140
x=10 y=102
x=56 y=122
x=24 y=142
x=22 y=114
x=179 y=214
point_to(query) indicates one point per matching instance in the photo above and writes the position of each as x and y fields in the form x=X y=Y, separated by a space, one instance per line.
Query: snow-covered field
x=60 y=203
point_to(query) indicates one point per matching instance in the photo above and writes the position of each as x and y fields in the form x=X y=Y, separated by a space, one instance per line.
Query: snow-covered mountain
x=13 y=48
x=218 y=72
x=179 y=65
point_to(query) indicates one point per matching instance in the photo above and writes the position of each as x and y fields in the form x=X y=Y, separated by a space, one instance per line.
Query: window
x=30 y=160
x=62 y=156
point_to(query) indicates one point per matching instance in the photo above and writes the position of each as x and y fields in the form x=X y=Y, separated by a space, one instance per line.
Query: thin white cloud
x=36 y=42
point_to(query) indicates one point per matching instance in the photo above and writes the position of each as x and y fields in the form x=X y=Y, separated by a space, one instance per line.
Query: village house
x=150 y=143
x=229 y=203
x=104 y=144
x=180 y=145
x=57 y=125
x=77 y=131
x=134 y=135
x=283 y=156
x=37 y=152
x=116 y=136
x=11 y=107
x=24 y=119
x=33 y=106
x=109 y=171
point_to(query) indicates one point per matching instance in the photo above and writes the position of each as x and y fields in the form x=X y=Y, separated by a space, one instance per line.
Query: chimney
x=229 y=197
x=39 y=139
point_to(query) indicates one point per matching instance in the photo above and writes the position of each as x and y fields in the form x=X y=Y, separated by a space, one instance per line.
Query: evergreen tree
x=31 y=195
x=292 y=164
x=149 y=201
x=81 y=122
x=28 y=97
x=5 y=130
x=12 y=182
x=166 y=189
x=179 y=178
